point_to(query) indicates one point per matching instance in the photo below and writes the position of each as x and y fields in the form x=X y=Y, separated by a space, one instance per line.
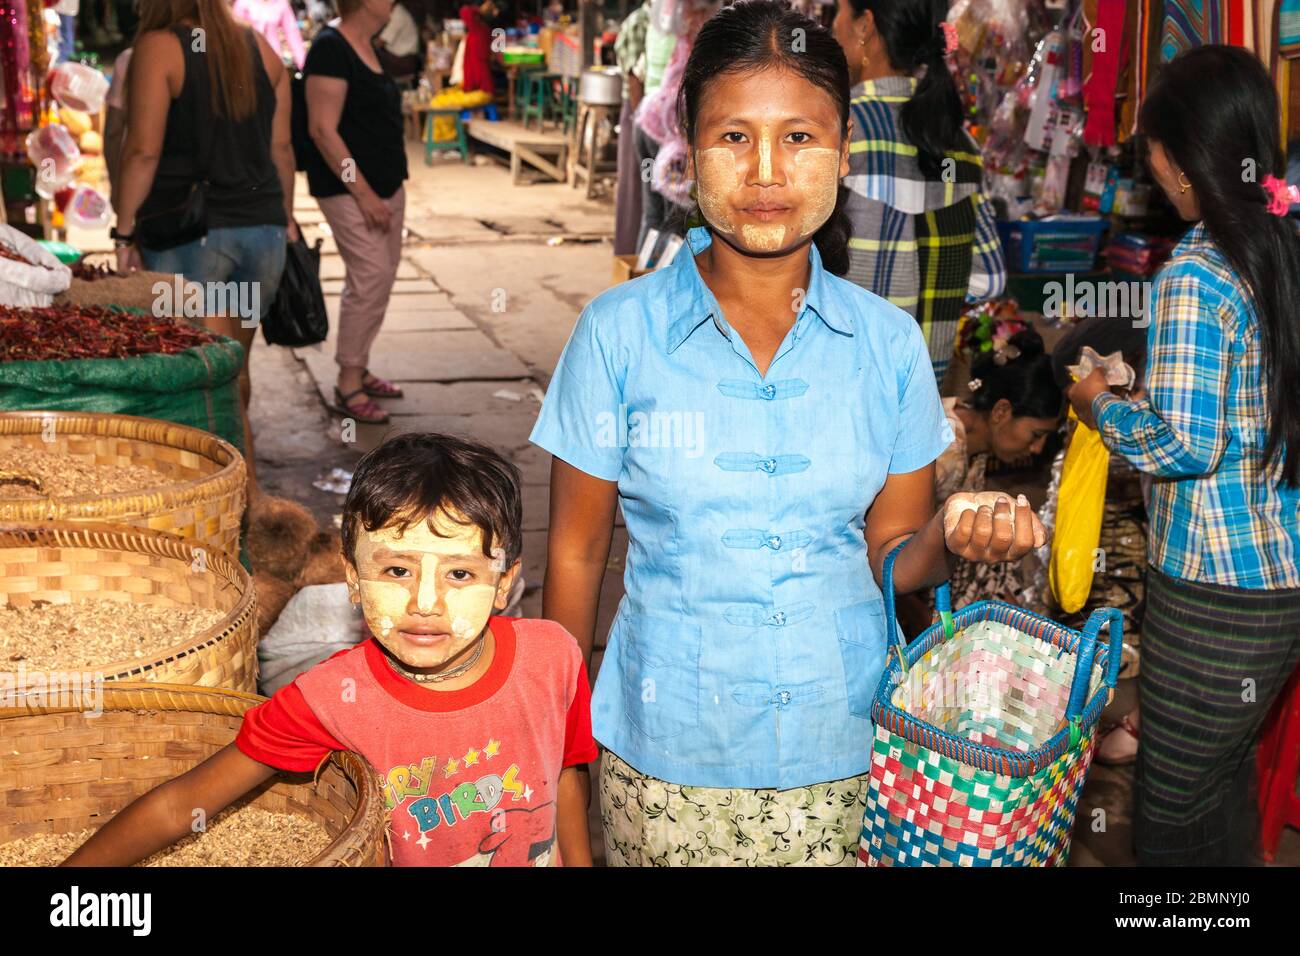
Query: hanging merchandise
x=79 y=87
x=1062 y=141
x=1190 y=23
x=86 y=208
x=1106 y=44
x=1288 y=29
x=1047 y=64
x=36 y=39
x=18 y=112
x=55 y=155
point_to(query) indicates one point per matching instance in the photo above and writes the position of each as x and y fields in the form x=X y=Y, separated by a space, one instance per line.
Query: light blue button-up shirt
x=748 y=647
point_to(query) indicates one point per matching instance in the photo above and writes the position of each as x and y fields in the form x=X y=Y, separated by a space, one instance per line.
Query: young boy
x=479 y=726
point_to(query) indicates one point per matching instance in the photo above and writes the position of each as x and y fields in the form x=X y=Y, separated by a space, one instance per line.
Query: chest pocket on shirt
x=861 y=630
x=660 y=658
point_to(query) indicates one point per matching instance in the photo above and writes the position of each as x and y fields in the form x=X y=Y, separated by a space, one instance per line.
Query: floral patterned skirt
x=650 y=822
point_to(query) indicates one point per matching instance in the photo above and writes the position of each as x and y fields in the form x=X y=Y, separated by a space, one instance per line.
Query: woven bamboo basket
x=201 y=479
x=61 y=562
x=63 y=770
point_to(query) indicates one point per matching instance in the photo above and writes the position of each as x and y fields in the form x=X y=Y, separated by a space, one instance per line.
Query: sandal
x=365 y=412
x=1126 y=726
x=378 y=387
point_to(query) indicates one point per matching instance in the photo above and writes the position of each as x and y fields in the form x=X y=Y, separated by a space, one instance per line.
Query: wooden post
x=589 y=24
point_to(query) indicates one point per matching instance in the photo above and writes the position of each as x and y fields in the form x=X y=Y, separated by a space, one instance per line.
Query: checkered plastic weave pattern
x=983 y=741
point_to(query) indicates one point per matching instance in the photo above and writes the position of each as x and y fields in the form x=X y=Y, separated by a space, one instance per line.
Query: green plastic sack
x=197 y=387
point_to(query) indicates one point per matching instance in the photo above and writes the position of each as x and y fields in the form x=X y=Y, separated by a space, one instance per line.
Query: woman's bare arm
x=905 y=506
x=156 y=74
x=168 y=812
x=281 y=129
x=577 y=549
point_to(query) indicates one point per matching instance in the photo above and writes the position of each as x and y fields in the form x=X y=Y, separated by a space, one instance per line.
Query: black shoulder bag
x=187 y=220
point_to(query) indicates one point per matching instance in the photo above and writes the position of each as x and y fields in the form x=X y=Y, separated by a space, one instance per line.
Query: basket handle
x=1087 y=653
x=942 y=602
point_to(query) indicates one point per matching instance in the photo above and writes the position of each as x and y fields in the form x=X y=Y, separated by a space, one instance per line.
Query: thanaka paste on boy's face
x=731 y=188
x=427 y=594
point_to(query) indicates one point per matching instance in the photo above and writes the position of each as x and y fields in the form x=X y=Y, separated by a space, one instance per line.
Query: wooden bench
x=545 y=153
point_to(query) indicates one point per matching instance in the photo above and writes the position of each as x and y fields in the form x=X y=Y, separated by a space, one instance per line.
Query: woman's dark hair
x=1216 y=113
x=411 y=477
x=912 y=32
x=1025 y=381
x=754 y=35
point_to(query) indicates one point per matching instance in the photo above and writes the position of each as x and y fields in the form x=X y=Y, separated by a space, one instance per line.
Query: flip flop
x=379 y=387
x=367 y=412
x=1126 y=726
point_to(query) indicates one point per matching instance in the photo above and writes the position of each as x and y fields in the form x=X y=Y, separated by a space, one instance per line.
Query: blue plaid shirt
x=1217 y=516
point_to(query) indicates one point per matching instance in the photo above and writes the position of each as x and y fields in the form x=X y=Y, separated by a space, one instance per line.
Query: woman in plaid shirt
x=924 y=237
x=1218 y=433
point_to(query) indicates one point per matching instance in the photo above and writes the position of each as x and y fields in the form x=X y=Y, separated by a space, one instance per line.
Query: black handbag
x=187 y=220
x=297 y=317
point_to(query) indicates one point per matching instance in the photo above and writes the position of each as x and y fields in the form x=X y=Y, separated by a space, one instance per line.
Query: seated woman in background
x=1012 y=405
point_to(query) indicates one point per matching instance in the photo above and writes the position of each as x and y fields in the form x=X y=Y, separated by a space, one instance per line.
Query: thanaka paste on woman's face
x=427 y=593
x=766 y=178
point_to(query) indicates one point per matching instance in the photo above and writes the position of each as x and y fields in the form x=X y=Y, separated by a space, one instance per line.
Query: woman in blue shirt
x=770 y=431
x=1218 y=432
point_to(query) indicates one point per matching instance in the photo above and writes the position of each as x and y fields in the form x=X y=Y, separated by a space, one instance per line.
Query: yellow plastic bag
x=1079 y=507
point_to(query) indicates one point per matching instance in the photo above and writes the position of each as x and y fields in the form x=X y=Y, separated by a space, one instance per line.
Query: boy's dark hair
x=410 y=477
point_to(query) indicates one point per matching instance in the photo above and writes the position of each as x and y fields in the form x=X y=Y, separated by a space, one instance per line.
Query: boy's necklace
x=438 y=678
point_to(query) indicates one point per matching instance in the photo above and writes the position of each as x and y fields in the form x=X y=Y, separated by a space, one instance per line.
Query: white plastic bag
x=318 y=621
x=30 y=285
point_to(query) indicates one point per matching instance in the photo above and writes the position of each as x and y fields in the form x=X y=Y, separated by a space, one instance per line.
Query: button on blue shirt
x=751 y=639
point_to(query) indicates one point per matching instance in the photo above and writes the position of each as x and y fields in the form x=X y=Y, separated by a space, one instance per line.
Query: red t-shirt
x=469 y=776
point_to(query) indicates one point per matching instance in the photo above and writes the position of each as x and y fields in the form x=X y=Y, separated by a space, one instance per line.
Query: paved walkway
x=479 y=313
x=482 y=307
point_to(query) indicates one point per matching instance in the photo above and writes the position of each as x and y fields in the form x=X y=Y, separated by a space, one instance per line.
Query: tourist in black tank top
x=173 y=121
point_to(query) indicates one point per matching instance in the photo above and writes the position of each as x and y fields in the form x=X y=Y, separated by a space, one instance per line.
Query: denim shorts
x=251 y=257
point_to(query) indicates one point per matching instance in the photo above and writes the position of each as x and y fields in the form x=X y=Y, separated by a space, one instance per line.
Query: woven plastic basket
x=984 y=734
x=60 y=562
x=62 y=770
x=201 y=483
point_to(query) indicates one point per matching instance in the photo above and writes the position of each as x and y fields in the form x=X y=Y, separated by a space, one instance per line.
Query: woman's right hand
x=128 y=259
x=376 y=213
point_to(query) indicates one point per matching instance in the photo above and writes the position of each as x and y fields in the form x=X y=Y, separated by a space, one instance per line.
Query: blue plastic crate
x=1026 y=244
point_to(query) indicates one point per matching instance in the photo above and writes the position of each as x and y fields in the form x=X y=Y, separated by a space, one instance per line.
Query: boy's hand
x=573 y=797
x=166 y=813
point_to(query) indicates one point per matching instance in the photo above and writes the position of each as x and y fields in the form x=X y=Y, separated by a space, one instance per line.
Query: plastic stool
x=537 y=99
x=1278 y=763
x=460 y=142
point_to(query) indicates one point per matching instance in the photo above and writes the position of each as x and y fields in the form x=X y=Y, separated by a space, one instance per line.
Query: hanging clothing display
x=1190 y=23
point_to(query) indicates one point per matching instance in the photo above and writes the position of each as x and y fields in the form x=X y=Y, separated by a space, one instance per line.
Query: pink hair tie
x=1281 y=196
x=949 y=38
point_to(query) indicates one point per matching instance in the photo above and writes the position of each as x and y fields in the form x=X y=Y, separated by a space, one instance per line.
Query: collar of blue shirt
x=691 y=299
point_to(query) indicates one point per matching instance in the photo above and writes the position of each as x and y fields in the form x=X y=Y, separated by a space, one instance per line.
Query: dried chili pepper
x=77 y=332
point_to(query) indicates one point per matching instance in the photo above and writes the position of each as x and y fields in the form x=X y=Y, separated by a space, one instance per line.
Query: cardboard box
x=625 y=268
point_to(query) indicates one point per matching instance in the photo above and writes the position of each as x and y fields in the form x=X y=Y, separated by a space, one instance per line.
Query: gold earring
x=1183 y=186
